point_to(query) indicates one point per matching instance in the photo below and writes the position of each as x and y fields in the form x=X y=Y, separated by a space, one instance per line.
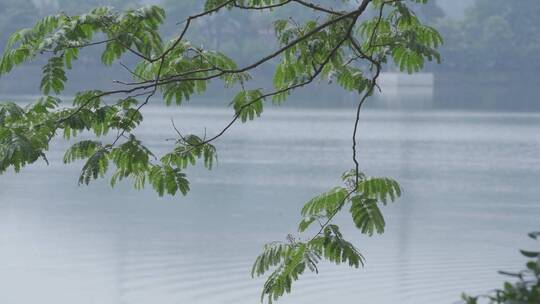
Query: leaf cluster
x=400 y=35
x=188 y=149
x=63 y=36
x=290 y=260
x=132 y=160
x=526 y=287
x=22 y=143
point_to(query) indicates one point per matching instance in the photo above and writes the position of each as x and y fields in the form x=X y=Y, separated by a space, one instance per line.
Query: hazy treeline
x=492 y=35
x=489 y=56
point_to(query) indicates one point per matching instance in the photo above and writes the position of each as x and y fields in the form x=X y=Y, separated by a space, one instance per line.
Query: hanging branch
x=342 y=46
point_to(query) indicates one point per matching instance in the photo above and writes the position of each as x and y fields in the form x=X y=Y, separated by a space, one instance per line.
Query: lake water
x=471 y=193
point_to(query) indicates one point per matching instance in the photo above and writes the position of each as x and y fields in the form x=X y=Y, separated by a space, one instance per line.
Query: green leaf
x=14 y=57
x=534 y=235
x=273 y=254
x=280 y=281
x=10 y=112
x=53 y=76
x=132 y=159
x=44 y=105
x=289 y=261
x=18 y=149
x=335 y=249
x=88 y=99
x=188 y=150
x=96 y=166
x=248 y=104
x=380 y=188
x=70 y=54
x=530 y=254
x=327 y=202
x=366 y=215
x=82 y=150
x=305 y=223
x=165 y=179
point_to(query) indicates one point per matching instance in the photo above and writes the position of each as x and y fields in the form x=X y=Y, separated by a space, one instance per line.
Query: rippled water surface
x=471 y=184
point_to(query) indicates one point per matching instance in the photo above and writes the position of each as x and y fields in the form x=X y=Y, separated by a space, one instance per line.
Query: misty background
x=490 y=54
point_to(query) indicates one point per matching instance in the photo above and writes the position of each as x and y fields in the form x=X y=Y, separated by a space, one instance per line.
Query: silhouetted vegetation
x=525 y=289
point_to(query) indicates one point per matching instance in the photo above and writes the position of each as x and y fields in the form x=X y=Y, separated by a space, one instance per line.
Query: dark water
x=471 y=184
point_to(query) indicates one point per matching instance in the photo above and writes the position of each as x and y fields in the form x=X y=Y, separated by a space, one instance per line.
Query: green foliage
x=165 y=179
x=348 y=47
x=290 y=260
x=365 y=212
x=96 y=166
x=524 y=289
x=325 y=203
x=334 y=248
x=64 y=35
x=22 y=144
x=188 y=149
x=10 y=111
x=366 y=215
x=17 y=149
x=379 y=188
x=53 y=76
x=248 y=104
x=131 y=159
x=82 y=150
x=408 y=40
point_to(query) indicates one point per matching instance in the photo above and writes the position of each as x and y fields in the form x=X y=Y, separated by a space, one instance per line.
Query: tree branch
x=309 y=80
